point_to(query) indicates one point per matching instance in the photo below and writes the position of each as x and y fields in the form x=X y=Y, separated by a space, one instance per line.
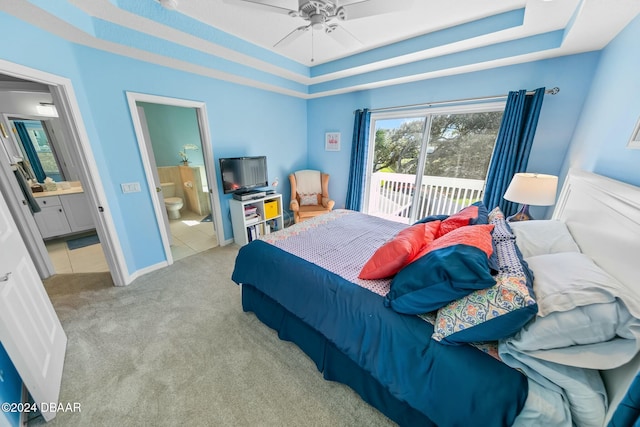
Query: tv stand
x=255 y=217
x=249 y=195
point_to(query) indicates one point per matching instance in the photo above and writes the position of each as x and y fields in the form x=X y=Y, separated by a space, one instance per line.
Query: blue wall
x=611 y=112
x=242 y=121
x=290 y=131
x=558 y=117
x=170 y=129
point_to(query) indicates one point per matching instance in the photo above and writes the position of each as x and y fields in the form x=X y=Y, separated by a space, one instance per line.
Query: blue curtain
x=513 y=145
x=32 y=155
x=357 y=169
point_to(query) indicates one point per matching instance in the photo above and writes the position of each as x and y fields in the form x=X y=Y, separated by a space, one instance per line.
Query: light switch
x=130 y=187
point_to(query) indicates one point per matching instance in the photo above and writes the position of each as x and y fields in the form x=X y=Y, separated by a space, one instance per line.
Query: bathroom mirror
x=40 y=156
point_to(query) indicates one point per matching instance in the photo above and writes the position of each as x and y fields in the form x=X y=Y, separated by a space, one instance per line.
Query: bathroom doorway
x=60 y=207
x=174 y=144
x=41 y=90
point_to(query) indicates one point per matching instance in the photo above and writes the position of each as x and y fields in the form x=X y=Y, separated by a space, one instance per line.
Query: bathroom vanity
x=63 y=212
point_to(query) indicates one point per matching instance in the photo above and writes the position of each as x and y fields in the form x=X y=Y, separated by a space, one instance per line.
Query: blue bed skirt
x=448 y=385
x=334 y=365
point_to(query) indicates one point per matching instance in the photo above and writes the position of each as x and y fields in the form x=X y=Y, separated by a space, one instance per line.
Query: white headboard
x=603 y=216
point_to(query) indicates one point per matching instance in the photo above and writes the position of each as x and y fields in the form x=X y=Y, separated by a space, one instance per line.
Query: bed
x=304 y=282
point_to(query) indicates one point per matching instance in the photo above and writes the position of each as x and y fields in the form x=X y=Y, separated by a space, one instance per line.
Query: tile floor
x=190 y=236
x=89 y=259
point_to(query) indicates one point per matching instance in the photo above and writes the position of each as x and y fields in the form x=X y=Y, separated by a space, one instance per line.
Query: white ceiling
x=421 y=17
x=430 y=38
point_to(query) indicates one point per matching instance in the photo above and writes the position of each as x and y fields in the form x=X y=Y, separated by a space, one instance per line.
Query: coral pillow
x=449 y=268
x=399 y=251
x=474 y=214
x=479 y=237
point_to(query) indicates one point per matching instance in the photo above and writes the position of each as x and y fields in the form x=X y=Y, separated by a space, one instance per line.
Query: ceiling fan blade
x=342 y=36
x=293 y=35
x=365 y=8
x=284 y=7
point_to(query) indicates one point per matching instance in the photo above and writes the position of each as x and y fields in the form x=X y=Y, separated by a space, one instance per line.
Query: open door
x=154 y=170
x=151 y=172
x=29 y=327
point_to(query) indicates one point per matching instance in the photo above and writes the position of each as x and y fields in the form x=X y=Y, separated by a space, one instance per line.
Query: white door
x=154 y=170
x=29 y=327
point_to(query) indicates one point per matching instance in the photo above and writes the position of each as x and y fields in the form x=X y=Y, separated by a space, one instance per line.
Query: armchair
x=309 y=194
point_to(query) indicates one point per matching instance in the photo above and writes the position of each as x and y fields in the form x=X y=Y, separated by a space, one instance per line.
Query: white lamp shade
x=532 y=189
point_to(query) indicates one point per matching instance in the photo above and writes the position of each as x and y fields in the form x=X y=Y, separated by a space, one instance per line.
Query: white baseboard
x=133 y=276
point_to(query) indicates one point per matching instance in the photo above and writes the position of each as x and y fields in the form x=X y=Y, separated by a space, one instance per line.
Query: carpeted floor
x=175 y=348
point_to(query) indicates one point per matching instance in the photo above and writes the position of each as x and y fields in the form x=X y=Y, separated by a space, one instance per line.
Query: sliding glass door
x=429 y=162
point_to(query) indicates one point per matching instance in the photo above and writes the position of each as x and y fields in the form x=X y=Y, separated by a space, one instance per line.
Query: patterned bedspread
x=311 y=268
x=341 y=242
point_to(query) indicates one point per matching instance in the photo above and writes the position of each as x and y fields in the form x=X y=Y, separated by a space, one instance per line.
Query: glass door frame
x=427 y=114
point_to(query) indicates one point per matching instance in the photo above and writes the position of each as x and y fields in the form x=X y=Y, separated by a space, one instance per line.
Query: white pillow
x=566 y=280
x=308 y=199
x=308 y=181
x=586 y=318
x=589 y=324
x=539 y=237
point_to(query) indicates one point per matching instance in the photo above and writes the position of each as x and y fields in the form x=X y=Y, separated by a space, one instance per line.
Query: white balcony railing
x=392 y=195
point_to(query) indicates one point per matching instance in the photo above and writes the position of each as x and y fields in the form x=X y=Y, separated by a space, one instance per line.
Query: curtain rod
x=552 y=91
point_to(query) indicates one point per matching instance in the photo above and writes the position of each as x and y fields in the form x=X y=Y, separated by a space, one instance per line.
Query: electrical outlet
x=130 y=187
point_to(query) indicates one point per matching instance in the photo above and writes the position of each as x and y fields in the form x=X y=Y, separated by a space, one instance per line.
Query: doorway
x=59 y=93
x=61 y=210
x=176 y=150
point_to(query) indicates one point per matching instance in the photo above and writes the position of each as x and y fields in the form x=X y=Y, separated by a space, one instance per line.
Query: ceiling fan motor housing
x=323 y=8
x=319 y=14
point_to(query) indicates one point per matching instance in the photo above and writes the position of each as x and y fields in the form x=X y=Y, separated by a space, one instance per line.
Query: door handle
x=5 y=278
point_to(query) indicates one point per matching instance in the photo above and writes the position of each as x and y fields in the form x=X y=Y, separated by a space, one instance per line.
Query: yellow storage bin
x=270 y=209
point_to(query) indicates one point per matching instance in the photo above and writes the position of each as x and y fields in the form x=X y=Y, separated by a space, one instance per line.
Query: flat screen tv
x=241 y=174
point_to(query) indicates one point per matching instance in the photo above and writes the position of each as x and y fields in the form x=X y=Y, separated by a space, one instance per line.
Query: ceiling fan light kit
x=169 y=4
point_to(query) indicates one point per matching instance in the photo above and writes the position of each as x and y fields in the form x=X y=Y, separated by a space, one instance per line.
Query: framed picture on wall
x=634 y=142
x=332 y=141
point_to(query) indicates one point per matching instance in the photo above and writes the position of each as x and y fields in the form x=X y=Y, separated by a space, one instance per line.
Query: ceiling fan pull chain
x=312 y=45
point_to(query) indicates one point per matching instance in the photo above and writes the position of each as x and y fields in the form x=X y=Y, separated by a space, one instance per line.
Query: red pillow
x=478 y=236
x=457 y=220
x=399 y=251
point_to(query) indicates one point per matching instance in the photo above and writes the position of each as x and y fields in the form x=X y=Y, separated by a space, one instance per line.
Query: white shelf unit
x=268 y=220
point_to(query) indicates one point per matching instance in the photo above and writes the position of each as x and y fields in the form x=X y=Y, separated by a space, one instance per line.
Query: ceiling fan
x=320 y=15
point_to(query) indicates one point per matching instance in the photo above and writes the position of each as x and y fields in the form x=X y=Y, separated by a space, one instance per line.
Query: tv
x=242 y=174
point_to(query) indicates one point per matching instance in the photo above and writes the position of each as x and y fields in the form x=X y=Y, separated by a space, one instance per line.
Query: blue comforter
x=451 y=385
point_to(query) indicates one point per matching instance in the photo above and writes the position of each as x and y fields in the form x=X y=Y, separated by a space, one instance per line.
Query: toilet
x=172 y=203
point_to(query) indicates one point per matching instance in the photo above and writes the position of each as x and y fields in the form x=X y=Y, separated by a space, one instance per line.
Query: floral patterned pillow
x=498 y=311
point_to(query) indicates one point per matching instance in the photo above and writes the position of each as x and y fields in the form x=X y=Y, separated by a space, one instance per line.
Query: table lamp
x=531 y=189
